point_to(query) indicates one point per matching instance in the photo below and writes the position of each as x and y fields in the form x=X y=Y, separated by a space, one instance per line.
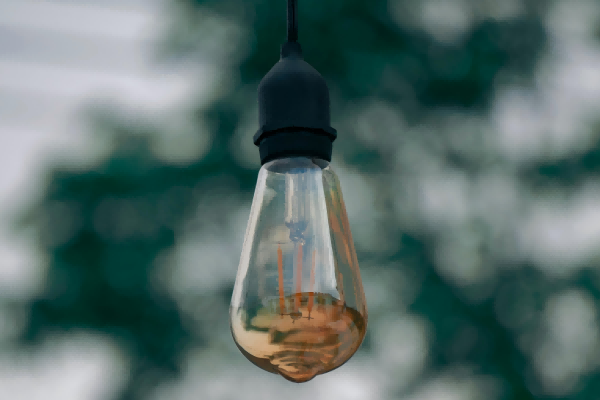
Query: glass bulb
x=298 y=307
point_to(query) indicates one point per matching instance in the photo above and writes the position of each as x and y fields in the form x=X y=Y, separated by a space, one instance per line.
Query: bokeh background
x=469 y=156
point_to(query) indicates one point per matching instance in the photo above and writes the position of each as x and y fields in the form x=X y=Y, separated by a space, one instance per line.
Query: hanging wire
x=292 y=20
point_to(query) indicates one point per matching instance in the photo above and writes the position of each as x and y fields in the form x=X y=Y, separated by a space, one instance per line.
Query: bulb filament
x=311 y=289
x=297 y=314
x=280 y=270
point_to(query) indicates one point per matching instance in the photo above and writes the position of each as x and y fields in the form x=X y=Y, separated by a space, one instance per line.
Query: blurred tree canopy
x=105 y=228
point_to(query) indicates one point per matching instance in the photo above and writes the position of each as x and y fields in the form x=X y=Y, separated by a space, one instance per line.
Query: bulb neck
x=288 y=143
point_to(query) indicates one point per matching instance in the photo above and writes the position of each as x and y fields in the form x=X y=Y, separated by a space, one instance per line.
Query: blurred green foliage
x=118 y=217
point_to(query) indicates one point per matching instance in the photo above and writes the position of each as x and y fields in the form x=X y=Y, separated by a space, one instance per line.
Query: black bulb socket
x=294 y=111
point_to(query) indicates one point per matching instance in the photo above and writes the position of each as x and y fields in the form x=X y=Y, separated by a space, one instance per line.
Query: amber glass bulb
x=298 y=307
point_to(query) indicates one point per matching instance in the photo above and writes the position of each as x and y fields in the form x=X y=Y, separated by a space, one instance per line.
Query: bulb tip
x=298 y=378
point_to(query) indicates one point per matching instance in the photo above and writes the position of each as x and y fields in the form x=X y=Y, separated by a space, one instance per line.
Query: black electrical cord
x=292 y=20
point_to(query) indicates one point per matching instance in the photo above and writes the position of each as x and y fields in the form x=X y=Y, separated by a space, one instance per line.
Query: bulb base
x=295 y=143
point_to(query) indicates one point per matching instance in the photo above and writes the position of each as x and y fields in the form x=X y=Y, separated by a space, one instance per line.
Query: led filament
x=298 y=307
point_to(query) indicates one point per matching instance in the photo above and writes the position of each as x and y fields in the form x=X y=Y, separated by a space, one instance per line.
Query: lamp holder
x=293 y=103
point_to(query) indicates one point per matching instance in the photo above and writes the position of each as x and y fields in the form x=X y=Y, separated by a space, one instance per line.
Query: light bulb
x=298 y=306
